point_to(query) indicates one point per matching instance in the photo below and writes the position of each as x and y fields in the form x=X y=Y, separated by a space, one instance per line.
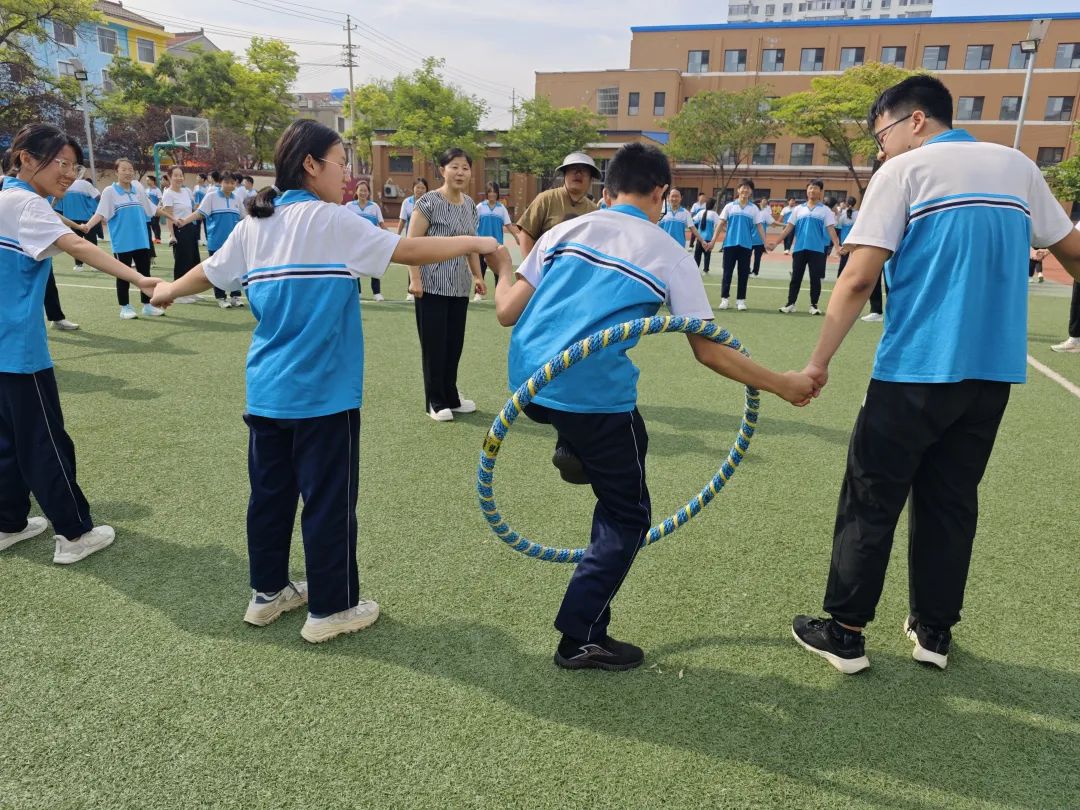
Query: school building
x=979 y=58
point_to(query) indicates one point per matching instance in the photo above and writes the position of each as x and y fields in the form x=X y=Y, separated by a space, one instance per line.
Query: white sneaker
x=1040 y=278
x=788 y=309
x=347 y=621
x=64 y=325
x=186 y=299
x=445 y=415
x=71 y=551
x=815 y=311
x=723 y=304
x=477 y=297
x=740 y=306
x=79 y=268
x=150 y=311
x=34 y=527
x=263 y=609
x=237 y=302
x=873 y=317
x=223 y=303
x=380 y=297
x=787 y=252
x=410 y=298
x=1069 y=346
x=466 y=406
x=127 y=313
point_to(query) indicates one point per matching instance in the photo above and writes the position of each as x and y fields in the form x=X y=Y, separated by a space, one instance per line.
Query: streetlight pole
x=82 y=77
x=1030 y=47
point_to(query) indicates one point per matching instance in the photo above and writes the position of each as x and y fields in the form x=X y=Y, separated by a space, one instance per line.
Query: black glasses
x=879 y=136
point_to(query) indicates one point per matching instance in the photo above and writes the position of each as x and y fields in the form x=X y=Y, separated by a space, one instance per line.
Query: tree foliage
x=374 y=110
x=834 y=109
x=1064 y=178
x=23 y=21
x=543 y=135
x=721 y=129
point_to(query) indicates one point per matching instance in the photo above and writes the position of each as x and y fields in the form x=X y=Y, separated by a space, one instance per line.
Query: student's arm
x=70 y=223
x=87 y=253
x=511 y=295
x=478 y=276
x=849 y=296
x=88 y=226
x=1067 y=252
x=835 y=239
x=194 y=215
x=192 y=282
x=434 y=249
x=796 y=387
x=694 y=231
x=761 y=232
x=525 y=241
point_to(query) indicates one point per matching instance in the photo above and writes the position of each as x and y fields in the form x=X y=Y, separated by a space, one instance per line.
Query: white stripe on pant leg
x=56 y=450
x=348 y=521
x=637 y=547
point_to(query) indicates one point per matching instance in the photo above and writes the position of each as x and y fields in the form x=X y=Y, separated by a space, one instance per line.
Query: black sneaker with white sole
x=570 y=468
x=931 y=643
x=606 y=653
x=844 y=649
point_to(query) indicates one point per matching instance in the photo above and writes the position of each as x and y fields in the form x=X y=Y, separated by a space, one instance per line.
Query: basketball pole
x=157 y=154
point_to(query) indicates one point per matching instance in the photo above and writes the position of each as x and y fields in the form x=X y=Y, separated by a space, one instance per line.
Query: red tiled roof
x=118 y=11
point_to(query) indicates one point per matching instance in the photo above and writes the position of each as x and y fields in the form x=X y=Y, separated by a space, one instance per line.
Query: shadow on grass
x=985 y=730
x=84 y=382
x=695 y=423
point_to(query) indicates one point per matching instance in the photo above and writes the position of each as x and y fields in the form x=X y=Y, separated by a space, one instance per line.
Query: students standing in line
x=363 y=206
x=305 y=374
x=696 y=209
x=442 y=289
x=79 y=204
x=494 y=221
x=177 y=203
x=739 y=221
x=676 y=221
x=765 y=220
x=844 y=223
x=221 y=210
x=420 y=188
x=707 y=222
x=785 y=217
x=125 y=206
x=37 y=456
x=814 y=225
x=153 y=193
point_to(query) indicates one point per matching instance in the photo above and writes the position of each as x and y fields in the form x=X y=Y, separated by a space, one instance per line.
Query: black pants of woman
x=186 y=249
x=92 y=237
x=53 y=310
x=440 y=323
x=1074 y=311
x=741 y=256
x=699 y=253
x=140 y=260
x=759 y=251
x=376 y=286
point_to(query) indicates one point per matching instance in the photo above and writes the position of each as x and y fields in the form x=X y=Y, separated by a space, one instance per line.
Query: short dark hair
x=851 y=201
x=421 y=181
x=215 y=175
x=493 y=186
x=44 y=142
x=746 y=181
x=922 y=92
x=248 y=178
x=637 y=168
x=817 y=181
x=202 y=175
x=453 y=153
x=300 y=139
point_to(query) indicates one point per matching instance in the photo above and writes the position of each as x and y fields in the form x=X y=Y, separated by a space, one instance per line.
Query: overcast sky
x=491 y=48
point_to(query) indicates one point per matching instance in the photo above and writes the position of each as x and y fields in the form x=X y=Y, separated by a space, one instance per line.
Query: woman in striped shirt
x=420 y=188
x=442 y=290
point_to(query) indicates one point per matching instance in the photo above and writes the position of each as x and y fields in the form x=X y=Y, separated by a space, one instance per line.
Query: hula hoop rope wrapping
x=557 y=365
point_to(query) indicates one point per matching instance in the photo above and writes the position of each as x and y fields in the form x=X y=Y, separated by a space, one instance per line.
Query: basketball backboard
x=188 y=131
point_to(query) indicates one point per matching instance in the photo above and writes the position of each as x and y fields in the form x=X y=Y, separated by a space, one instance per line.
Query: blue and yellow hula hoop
x=630 y=330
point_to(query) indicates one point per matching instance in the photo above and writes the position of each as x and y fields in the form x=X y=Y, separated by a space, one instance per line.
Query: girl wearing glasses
x=37 y=455
x=298 y=254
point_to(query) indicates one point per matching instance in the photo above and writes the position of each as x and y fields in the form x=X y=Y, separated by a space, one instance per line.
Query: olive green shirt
x=549 y=209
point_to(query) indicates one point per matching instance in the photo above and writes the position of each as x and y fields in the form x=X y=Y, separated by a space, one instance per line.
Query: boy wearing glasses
x=954 y=218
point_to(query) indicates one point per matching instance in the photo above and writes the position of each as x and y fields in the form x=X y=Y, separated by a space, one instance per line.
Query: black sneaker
x=931 y=643
x=842 y=648
x=607 y=653
x=569 y=465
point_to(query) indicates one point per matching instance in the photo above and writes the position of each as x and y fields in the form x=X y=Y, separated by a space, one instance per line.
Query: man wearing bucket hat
x=559 y=204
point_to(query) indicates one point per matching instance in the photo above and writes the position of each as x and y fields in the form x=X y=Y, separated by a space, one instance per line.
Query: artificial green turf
x=129 y=679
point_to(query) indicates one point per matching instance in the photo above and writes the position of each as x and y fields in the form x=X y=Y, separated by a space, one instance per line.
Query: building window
x=496 y=170
x=888 y=3
x=772 y=60
x=852 y=57
x=797 y=194
x=1059 y=108
x=607 y=101
x=735 y=61
x=867 y=5
x=802 y=154
x=659 y=101
x=978 y=57
x=63 y=34
x=761 y=193
x=764 y=155
x=770 y=9
x=698 y=62
x=969 y=108
x=833 y=159
x=894 y=56
x=1049 y=155
x=738 y=10
x=788 y=7
x=146 y=50
x=340 y=123
x=633 y=103
x=1067 y=56
x=401 y=164
x=935 y=57
x=1010 y=108
x=106 y=40
x=65 y=68
x=813 y=59
x=837 y=194
x=1018 y=60
x=106 y=82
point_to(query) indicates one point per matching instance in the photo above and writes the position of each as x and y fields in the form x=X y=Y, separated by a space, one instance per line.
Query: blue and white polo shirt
x=590 y=273
x=742 y=221
x=126 y=212
x=960 y=217
x=676 y=223
x=222 y=214
x=371 y=212
x=80 y=201
x=812 y=227
x=492 y=220
x=299 y=269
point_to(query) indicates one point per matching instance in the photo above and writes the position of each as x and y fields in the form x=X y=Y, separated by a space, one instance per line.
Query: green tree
x=432 y=115
x=262 y=106
x=374 y=110
x=542 y=136
x=721 y=130
x=1064 y=178
x=24 y=21
x=834 y=109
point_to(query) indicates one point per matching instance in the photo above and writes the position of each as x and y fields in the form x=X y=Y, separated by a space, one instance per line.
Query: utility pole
x=513 y=108
x=351 y=62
